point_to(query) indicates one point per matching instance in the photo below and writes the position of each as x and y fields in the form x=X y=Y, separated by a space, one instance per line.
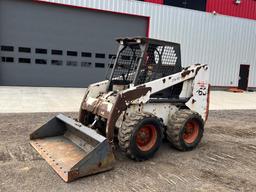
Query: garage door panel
x=58 y=76
x=79 y=37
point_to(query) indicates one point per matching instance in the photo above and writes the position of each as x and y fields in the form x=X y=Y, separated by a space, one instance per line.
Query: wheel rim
x=191 y=131
x=146 y=137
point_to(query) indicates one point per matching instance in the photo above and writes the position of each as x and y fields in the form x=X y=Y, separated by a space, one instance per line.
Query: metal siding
x=246 y=9
x=220 y=41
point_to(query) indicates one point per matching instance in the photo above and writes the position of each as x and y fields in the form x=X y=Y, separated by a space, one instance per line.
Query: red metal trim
x=161 y=2
x=99 y=10
x=246 y=9
x=148 y=27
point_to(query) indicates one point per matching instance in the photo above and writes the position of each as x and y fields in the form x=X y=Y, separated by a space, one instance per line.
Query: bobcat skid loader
x=147 y=96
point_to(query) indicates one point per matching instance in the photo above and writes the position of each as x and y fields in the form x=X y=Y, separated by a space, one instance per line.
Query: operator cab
x=140 y=60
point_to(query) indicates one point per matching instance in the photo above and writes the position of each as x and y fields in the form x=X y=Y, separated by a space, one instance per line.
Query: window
x=110 y=56
x=100 y=55
x=24 y=60
x=190 y=4
x=24 y=50
x=41 y=51
x=41 y=61
x=71 y=53
x=7 y=48
x=57 y=62
x=7 y=59
x=86 y=54
x=57 y=52
x=71 y=63
x=85 y=64
x=99 y=65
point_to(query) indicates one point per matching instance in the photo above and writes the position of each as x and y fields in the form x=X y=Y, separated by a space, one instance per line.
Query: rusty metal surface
x=60 y=153
x=99 y=160
x=103 y=109
x=70 y=161
x=74 y=150
x=98 y=106
x=90 y=106
x=84 y=142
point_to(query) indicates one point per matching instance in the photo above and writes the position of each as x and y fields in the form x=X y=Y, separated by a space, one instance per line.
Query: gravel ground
x=225 y=160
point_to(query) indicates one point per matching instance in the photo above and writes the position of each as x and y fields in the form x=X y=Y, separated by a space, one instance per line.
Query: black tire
x=177 y=130
x=131 y=128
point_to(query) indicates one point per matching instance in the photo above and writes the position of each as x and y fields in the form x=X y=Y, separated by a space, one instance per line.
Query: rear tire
x=140 y=136
x=185 y=130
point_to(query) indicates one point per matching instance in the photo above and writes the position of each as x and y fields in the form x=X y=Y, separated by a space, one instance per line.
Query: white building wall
x=223 y=42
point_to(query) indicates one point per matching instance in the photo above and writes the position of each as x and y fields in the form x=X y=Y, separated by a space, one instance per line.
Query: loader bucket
x=71 y=149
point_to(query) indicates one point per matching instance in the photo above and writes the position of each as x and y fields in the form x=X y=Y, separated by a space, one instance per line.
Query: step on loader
x=147 y=96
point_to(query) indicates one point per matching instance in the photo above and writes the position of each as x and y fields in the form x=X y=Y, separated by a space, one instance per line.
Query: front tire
x=185 y=130
x=140 y=136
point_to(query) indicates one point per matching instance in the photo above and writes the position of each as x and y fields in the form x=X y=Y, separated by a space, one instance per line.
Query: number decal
x=202 y=91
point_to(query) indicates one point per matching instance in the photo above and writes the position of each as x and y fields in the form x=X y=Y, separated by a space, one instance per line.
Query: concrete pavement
x=224 y=100
x=39 y=99
x=48 y=99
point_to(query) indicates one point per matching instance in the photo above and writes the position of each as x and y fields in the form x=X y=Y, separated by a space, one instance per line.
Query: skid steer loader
x=147 y=96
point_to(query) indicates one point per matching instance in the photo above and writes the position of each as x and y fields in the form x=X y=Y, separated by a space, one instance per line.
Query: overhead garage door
x=54 y=45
